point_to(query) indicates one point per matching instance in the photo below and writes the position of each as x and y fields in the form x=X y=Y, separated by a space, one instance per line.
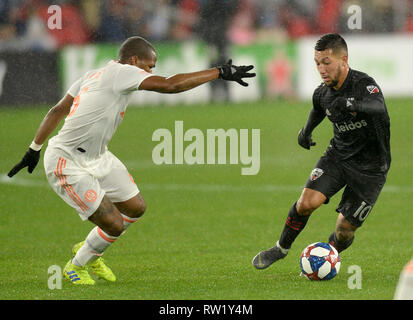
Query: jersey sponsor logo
x=91 y=195
x=350 y=126
x=316 y=173
x=372 y=89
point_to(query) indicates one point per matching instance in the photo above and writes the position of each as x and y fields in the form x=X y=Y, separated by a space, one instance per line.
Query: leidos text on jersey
x=350 y=126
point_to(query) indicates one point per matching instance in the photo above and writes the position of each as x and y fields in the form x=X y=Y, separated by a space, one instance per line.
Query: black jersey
x=361 y=140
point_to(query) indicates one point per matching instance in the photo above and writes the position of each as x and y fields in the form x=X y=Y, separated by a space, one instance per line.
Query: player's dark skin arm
x=49 y=123
x=53 y=118
x=179 y=82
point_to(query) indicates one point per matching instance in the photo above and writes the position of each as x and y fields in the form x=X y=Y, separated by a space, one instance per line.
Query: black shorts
x=361 y=191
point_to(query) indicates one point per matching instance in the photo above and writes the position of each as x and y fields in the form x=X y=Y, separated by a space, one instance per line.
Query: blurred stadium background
x=277 y=36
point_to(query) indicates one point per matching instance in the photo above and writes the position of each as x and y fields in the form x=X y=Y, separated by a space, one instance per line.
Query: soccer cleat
x=77 y=275
x=267 y=257
x=98 y=267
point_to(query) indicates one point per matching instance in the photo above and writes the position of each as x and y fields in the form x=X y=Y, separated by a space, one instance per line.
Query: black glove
x=305 y=140
x=30 y=160
x=235 y=73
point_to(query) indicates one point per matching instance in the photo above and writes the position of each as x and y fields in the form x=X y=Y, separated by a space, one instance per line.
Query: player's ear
x=344 y=59
x=134 y=60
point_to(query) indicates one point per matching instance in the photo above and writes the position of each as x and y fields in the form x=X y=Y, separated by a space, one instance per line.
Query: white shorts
x=82 y=184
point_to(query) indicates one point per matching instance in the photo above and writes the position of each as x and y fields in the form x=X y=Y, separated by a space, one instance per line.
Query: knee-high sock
x=96 y=242
x=292 y=228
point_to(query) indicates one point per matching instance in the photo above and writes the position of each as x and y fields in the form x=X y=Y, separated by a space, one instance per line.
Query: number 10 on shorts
x=363 y=211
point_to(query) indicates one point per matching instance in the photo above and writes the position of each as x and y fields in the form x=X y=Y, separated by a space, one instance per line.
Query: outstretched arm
x=179 y=82
x=186 y=81
x=49 y=123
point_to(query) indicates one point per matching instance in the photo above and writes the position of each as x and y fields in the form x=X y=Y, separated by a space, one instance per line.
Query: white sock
x=127 y=221
x=96 y=242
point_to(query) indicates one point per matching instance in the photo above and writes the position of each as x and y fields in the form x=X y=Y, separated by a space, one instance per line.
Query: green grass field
x=204 y=223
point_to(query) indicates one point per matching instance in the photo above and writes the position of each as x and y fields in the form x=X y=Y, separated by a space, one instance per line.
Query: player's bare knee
x=309 y=201
x=305 y=206
x=141 y=209
x=133 y=208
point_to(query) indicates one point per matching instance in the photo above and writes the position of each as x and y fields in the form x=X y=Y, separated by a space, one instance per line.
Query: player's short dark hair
x=135 y=46
x=331 y=41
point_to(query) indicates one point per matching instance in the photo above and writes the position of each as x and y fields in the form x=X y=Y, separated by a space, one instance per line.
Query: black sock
x=340 y=245
x=293 y=226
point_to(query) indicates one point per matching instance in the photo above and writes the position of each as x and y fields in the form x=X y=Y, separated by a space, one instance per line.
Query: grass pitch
x=204 y=223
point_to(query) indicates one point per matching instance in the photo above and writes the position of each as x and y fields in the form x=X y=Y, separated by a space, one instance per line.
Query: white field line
x=30 y=182
x=23 y=182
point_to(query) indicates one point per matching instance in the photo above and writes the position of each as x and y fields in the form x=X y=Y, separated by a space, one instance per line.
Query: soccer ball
x=320 y=261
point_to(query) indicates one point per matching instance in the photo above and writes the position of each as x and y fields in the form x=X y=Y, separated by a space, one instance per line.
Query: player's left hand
x=231 y=72
x=30 y=160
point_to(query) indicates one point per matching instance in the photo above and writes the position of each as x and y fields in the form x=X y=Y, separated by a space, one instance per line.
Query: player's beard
x=332 y=84
x=334 y=80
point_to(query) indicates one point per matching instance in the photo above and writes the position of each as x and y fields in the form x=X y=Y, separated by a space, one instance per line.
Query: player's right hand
x=235 y=73
x=305 y=140
x=30 y=160
x=342 y=109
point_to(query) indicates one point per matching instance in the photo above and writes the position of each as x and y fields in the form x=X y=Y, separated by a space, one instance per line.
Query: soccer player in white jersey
x=78 y=164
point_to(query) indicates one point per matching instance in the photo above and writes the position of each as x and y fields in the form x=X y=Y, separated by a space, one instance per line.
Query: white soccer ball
x=320 y=261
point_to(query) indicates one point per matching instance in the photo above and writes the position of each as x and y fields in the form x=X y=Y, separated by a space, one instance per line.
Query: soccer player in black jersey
x=357 y=159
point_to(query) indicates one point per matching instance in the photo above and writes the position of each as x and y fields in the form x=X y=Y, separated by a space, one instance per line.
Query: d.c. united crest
x=316 y=173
